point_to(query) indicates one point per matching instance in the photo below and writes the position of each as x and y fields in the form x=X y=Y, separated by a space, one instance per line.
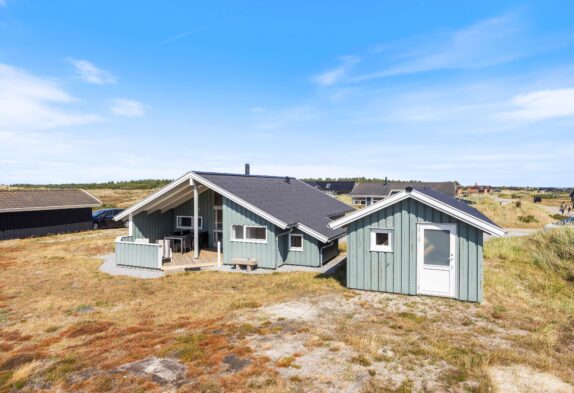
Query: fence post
x=218 y=254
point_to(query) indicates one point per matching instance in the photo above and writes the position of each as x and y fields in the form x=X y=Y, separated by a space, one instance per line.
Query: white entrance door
x=436 y=259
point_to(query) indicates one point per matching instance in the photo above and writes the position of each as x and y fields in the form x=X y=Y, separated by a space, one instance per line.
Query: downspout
x=278 y=236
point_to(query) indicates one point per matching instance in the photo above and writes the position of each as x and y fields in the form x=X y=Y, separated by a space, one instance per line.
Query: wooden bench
x=247 y=262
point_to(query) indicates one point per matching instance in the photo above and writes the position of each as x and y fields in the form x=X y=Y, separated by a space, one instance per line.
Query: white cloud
x=541 y=105
x=336 y=74
x=128 y=108
x=89 y=73
x=485 y=43
x=29 y=102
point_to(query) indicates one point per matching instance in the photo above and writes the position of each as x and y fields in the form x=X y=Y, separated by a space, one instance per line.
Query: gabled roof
x=435 y=199
x=343 y=186
x=31 y=200
x=445 y=187
x=284 y=201
x=378 y=189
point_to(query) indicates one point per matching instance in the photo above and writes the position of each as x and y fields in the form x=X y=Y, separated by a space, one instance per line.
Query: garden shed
x=418 y=241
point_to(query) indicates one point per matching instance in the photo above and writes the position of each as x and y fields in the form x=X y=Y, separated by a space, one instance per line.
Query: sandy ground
x=305 y=348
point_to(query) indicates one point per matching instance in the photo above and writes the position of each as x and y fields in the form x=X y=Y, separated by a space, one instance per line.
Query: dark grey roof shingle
x=341 y=186
x=371 y=189
x=37 y=199
x=445 y=187
x=455 y=203
x=285 y=198
x=381 y=189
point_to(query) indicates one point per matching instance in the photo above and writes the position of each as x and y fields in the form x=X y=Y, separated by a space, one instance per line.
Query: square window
x=237 y=232
x=381 y=240
x=296 y=242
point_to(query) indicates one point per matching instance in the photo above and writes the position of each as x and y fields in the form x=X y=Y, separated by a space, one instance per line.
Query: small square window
x=381 y=240
x=296 y=242
x=237 y=232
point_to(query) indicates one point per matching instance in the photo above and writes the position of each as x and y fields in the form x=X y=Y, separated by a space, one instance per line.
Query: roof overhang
x=40 y=208
x=441 y=206
x=165 y=195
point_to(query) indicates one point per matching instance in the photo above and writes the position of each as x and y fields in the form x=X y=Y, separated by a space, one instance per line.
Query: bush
x=558 y=217
x=527 y=219
x=518 y=204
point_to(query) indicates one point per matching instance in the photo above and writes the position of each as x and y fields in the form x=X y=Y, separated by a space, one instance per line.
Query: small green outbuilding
x=418 y=241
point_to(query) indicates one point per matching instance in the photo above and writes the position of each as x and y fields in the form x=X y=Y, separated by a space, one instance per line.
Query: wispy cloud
x=488 y=42
x=336 y=74
x=128 y=108
x=179 y=36
x=541 y=105
x=29 y=102
x=279 y=119
x=189 y=32
x=3 y=3
x=89 y=73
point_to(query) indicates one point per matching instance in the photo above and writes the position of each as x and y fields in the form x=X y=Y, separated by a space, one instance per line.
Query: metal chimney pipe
x=247 y=169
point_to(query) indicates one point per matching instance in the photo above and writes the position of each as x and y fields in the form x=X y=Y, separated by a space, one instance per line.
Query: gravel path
x=109 y=267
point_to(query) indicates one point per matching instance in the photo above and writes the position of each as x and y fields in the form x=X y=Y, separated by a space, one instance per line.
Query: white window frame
x=199 y=219
x=245 y=240
x=362 y=199
x=291 y=248
x=374 y=246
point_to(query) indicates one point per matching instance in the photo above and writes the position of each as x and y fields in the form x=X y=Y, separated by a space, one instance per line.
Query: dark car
x=104 y=218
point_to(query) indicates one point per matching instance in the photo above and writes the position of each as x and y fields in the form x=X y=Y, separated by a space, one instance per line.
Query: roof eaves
x=457 y=213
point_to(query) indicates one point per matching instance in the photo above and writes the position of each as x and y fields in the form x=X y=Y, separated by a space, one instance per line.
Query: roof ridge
x=242 y=175
x=42 y=189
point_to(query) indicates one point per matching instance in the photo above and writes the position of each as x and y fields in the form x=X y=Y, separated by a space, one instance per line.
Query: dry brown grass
x=508 y=215
x=65 y=325
x=56 y=308
x=120 y=198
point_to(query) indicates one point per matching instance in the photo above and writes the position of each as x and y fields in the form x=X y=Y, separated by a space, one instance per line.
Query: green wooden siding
x=267 y=254
x=137 y=254
x=153 y=226
x=271 y=255
x=205 y=211
x=396 y=271
x=308 y=257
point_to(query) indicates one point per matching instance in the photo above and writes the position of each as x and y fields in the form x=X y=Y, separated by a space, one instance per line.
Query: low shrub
x=558 y=217
x=527 y=219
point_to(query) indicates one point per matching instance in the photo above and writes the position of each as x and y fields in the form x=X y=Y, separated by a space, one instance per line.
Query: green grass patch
x=186 y=348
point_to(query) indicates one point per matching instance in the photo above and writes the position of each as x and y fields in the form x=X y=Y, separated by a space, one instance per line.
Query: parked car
x=104 y=218
x=566 y=222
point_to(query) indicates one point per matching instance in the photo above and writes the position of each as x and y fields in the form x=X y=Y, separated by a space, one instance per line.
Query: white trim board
x=418 y=196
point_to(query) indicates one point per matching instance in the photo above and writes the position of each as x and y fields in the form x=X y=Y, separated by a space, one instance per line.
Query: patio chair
x=188 y=242
x=166 y=248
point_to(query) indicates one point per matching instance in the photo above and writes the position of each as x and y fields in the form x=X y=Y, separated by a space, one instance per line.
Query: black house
x=26 y=213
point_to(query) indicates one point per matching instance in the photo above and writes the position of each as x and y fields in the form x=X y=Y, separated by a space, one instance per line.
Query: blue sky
x=444 y=90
